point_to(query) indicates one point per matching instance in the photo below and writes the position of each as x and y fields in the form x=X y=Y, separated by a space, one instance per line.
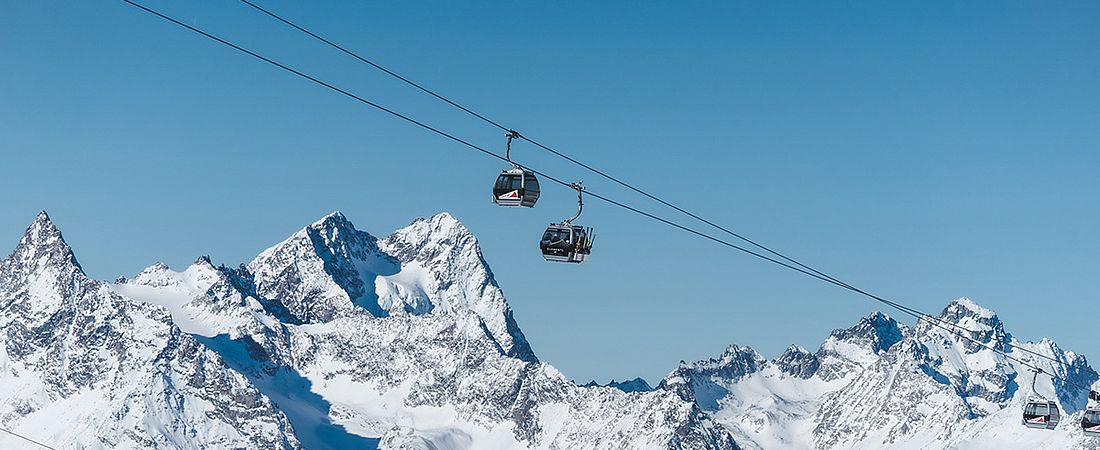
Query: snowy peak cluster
x=330 y=339
x=84 y=366
x=882 y=384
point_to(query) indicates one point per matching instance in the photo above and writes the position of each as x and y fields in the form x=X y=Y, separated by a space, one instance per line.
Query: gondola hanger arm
x=512 y=134
x=579 y=187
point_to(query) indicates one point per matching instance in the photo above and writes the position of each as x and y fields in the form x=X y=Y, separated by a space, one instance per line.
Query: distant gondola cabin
x=516 y=187
x=1041 y=414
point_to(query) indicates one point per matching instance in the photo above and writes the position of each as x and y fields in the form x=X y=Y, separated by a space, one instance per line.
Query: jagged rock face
x=634 y=385
x=459 y=276
x=850 y=350
x=984 y=326
x=798 y=362
x=83 y=366
x=704 y=382
x=406 y=342
x=882 y=399
x=331 y=270
x=322 y=271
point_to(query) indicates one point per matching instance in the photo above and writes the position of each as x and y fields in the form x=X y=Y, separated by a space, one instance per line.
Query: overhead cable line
x=20 y=436
x=792 y=266
x=921 y=315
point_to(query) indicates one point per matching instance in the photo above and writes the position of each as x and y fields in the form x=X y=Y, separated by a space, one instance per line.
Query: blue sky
x=922 y=150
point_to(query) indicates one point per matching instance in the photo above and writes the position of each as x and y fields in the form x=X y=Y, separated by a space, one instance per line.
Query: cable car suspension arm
x=512 y=134
x=580 y=201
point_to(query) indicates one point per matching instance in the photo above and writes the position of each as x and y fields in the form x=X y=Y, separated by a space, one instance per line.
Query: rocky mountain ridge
x=336 y=339
x=347 y=340
x=881 y=384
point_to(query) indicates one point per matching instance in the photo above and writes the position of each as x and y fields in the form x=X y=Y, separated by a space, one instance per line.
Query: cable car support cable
x=512 y=134
x=789 y=264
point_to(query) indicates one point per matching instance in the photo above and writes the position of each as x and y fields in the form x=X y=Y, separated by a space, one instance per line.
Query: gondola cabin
x=565 y=242
x=1090 y=422
x=516 y=187
x=1041 y=413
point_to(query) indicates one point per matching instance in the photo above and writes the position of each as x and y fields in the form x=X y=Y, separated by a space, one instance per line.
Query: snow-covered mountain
x=83 y=367
x=329 y=339
x=880 y=384
x=336 y=339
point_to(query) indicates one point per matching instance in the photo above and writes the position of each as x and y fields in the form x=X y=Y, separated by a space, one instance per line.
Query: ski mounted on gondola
x=566 y=242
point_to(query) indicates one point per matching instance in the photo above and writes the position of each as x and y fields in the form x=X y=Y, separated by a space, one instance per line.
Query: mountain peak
x=797 y=361
x=965 y=307
x=735 y=362
x=323 y=270
x=879 y=330
x=443 y=223
x=42 y=231
x=42 y=244
x=982 y=324
x=332 y=219
x=445 y=218
x=428 y=238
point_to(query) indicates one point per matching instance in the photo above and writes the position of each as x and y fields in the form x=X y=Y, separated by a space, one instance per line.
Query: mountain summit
x=43 y=247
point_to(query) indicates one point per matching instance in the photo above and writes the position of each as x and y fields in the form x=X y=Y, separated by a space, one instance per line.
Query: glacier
x=334 y=338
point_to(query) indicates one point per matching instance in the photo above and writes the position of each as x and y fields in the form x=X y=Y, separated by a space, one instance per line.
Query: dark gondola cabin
x=1041 y=413
x=516 y=187
x=565 y=242
x=1090 y=422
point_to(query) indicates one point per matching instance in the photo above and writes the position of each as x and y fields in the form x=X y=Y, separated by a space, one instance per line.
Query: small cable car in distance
x=1040 y=412
x=566 y=242
x=1090 y=421
x=516 y=186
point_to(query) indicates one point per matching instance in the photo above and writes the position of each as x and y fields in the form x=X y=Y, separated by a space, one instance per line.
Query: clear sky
x=922 y=150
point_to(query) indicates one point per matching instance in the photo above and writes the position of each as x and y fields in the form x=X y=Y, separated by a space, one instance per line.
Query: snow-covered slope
x=880 y=384
x=82 y=367
x=402 y=342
